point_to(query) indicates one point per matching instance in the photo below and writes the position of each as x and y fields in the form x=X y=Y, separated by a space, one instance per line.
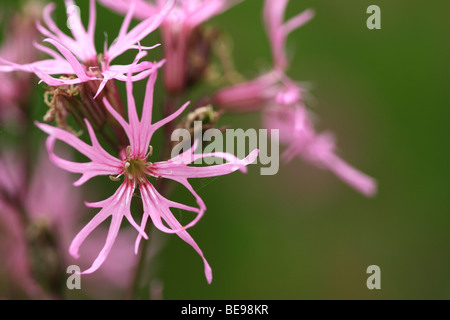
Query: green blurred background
x=303 y=234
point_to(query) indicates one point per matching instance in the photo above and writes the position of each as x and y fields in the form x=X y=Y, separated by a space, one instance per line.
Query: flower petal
x=174 y=169
x=76 y=65
x=102 y=163
x=126 y=41
x=118 y=207
x=174 y=224
x=353 y=177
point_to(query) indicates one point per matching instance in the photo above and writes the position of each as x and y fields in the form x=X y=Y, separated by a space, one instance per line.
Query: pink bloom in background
x=13 y=244
x=39 y=206
x=256 y=94
x=185 y=14
x=135 y=168
x=177 y=30
x=288 y=113
x=15 y=269
x=280 y=99
x=77 y=55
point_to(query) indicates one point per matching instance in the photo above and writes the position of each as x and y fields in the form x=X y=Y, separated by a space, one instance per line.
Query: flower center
x=135 y=168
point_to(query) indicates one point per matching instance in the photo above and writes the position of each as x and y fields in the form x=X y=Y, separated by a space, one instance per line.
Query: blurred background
x=303 y=234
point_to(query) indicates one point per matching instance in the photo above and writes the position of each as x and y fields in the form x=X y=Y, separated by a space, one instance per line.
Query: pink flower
x=297 y=132
x=13 y=244
x=281 y=100
x=135 y=167
x=256 y=94
x=177 y=30
x=77 y=55
x=15 y=268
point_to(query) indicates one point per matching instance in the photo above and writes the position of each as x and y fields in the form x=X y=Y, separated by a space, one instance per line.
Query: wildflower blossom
x=280 y=99
x=135 y=167
x=77 y=55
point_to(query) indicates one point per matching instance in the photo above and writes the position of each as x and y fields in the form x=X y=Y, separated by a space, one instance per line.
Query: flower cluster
x=280 y=100
x=85 y=104
x=76 y=57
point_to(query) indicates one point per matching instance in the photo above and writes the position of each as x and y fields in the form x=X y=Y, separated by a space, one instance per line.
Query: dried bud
x=62 y=102
x=206 y=114
x=78 y=101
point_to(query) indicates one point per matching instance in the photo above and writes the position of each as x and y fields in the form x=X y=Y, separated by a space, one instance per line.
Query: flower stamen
x=150 y=152
x=116 y=178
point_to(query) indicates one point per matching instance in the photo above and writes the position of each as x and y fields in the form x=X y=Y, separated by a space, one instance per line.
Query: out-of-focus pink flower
x=13 y=245
x=77 y=55
x=296 y=130
x=29 y=207
x=281 y=101
x=186 y=13
x=46 y=195
x=14 y=263
x=17 y=46
x=135 y=167
x=176 y=30
x=257 y=94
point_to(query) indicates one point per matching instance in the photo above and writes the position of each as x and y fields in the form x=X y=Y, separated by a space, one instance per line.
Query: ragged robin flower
x=281 y=101
x=76 y=58
x=135 y=168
